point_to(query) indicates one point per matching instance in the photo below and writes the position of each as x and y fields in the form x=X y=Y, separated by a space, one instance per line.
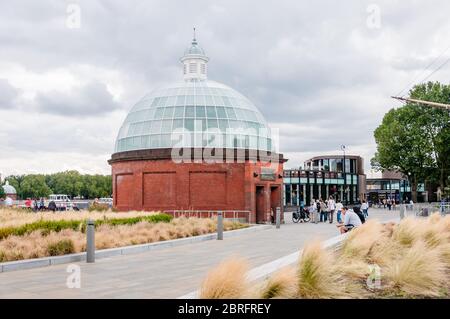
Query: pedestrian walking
x=365 y=209
x=339 y=211
x=323 y=211
x=331 y=209
x=313 y=212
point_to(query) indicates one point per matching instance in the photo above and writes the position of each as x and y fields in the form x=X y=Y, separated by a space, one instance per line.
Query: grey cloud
x=312 y=68
x=8 y=95
x=92 y=99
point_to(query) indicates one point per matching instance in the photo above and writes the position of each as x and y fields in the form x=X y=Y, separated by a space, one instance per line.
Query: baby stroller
x=301 y=215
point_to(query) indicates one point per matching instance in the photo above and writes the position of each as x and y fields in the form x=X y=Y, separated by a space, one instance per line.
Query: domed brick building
x=197 y=146
x=10 y=191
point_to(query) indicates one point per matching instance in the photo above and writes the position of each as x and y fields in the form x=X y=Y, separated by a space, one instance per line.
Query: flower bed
x=64 y=234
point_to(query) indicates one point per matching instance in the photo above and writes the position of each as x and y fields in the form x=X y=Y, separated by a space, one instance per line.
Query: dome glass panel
x=205 y=113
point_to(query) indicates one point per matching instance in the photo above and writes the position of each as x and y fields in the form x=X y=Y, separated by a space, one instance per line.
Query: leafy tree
x=414 y=139
x=34 y=186
x=2 y=192
x=71 y=183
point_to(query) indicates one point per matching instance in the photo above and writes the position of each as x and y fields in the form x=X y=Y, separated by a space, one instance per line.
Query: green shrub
x=159 y=218
x=47 y=226
x=62 y=247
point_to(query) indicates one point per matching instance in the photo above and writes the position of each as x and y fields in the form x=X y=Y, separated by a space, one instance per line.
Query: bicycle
x=301 y=216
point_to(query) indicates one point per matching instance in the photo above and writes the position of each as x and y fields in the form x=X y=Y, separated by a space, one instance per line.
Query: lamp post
x=345 y=177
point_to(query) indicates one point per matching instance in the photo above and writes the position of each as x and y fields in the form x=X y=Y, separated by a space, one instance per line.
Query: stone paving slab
x=169 y=272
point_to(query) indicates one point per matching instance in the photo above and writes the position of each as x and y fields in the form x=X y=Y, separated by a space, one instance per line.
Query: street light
x=345 y=177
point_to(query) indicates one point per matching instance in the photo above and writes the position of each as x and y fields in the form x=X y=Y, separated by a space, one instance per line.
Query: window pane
x=223 y=125
x=189 y=124
x=212 y=123
x=180 y=100
x=200 y=100
x=155 y=140
x=177 y=124
x=179 y=111
x=200 y=111
x=211 y=112
x=166 y=126
x=156 y=127
x=221 y=112
x=209 y=100
x=165 y=140
x=168 y=113
x=159 y=113
x=171 y=101
x=189 y=100
x=190 y=111
x=231 y=114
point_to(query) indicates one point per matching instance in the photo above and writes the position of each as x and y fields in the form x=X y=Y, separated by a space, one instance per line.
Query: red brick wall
x=165 y=185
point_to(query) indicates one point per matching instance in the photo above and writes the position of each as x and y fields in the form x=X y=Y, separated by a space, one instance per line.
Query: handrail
x=209 y=213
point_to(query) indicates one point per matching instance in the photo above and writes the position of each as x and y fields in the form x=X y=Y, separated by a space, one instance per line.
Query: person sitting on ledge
x=350 y=220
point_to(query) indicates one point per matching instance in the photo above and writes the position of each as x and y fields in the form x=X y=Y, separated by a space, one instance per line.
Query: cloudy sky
x=320 y=71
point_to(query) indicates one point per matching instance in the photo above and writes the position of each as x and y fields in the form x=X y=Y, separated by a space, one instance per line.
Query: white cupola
x=194 y=62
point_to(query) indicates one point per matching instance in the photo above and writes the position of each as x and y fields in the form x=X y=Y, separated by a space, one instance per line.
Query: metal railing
x=426 y=209
x=227 y=214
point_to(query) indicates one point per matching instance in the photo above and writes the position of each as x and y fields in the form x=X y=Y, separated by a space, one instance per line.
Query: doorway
x=260 y=211
x=275 y=198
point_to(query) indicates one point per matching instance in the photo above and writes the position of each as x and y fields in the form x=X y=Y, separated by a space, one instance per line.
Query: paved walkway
x=166 y=273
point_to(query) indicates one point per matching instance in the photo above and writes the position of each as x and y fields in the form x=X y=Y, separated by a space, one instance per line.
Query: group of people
x=321 y=211
x=387 y=203
x=35 y=204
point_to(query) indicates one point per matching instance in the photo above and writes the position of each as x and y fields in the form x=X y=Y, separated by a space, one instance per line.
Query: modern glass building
x=325 y=176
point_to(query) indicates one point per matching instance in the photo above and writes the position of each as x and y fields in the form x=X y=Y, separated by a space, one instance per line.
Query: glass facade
x=194 y=114
x=302 y=186
x=396 y=189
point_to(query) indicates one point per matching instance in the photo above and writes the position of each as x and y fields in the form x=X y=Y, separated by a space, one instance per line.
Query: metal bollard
x=90 y=241
x=278 y=217
x=402 y=211
x=219 y=226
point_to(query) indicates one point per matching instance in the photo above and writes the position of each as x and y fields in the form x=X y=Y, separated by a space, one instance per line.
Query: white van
x=62 y=201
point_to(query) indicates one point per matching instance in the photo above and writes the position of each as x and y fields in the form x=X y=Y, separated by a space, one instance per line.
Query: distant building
x=395 y=186
x=10 y=191
x=325 y=176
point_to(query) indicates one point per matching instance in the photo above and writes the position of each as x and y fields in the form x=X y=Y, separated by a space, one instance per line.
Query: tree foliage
x=2 y=192
x=415 y=139
x=71 y=183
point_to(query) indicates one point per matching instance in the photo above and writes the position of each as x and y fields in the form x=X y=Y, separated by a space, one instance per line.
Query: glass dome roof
x=194 y=113
x=9 y=190
x=204 y=108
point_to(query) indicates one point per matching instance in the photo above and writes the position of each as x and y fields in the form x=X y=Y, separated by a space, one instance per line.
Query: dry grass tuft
x=282 y=284
x=317 y=276
x=413 y=256
x=226 y=281
x=408 y=231
x=34 y=245
x=419 y=272
x=361 y=240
